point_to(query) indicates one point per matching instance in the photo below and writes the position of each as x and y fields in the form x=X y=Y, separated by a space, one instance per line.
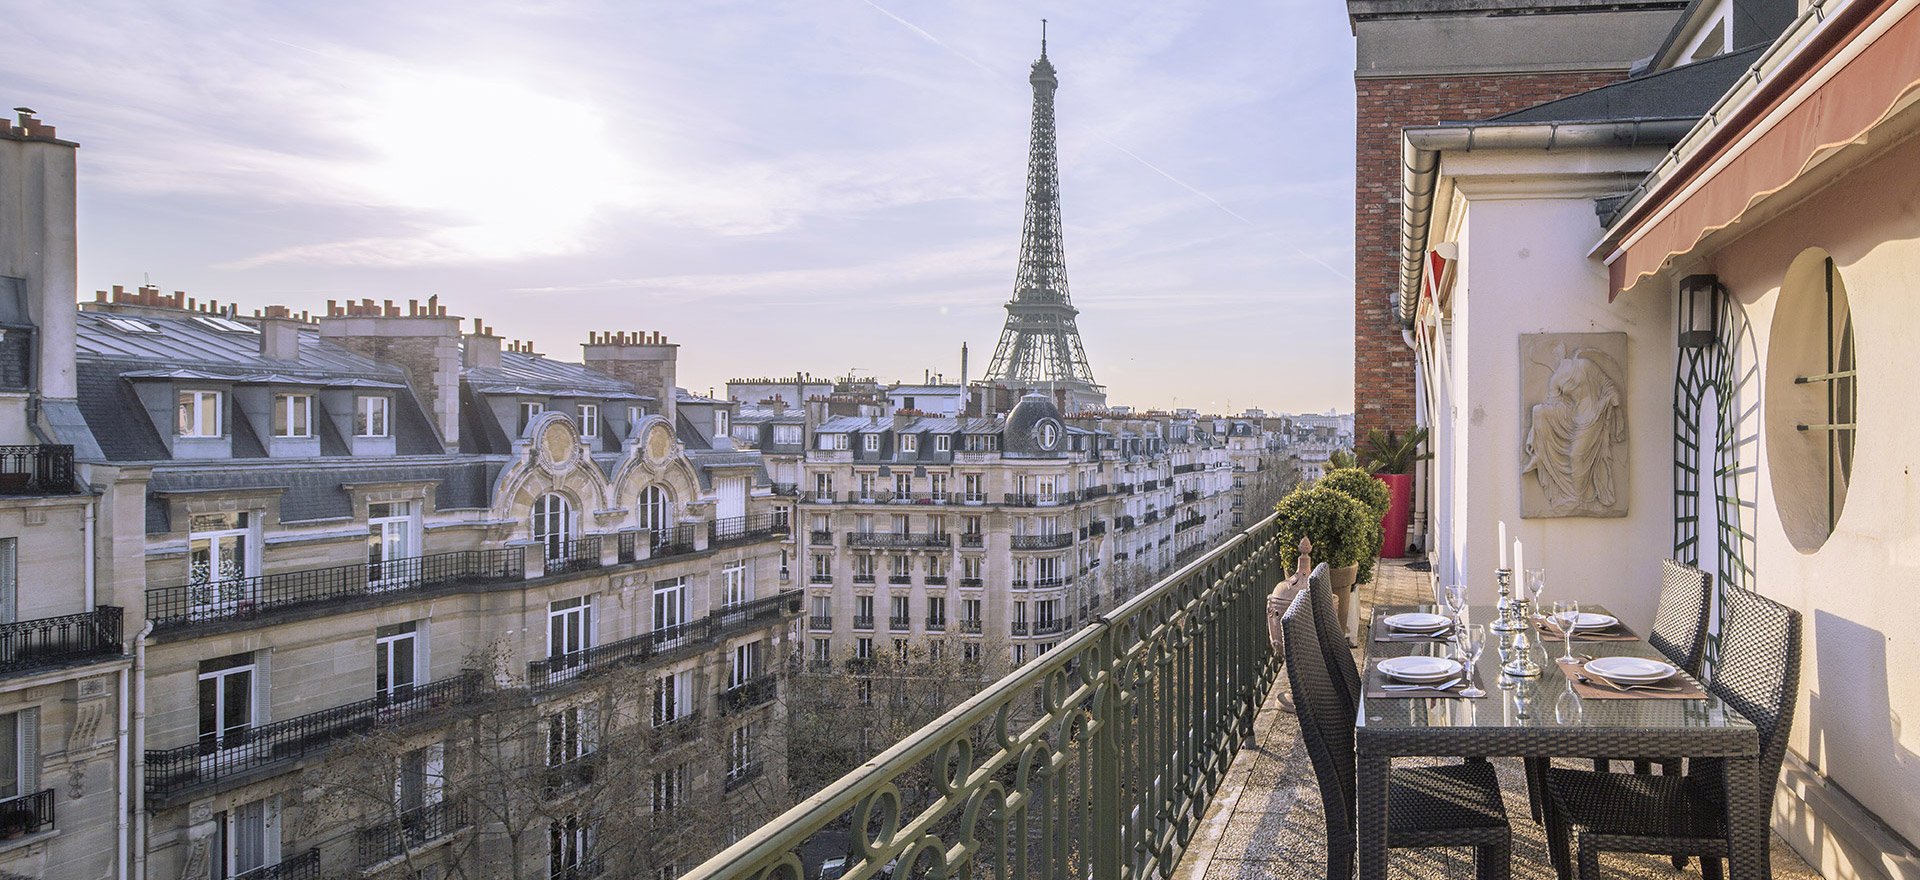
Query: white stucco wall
x=1524 y=269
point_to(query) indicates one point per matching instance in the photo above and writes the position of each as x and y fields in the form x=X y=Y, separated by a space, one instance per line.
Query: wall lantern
x=1700 y=310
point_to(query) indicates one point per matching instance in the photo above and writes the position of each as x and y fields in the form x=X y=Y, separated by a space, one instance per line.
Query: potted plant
x=1342 y=530
x=1362 y=487
x=1391 y=457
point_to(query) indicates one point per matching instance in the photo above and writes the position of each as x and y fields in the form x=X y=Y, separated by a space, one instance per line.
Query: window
x=823 y=487
x=937 y=486
x=863 y=606
x=670 y=787
x=970 y=610
x=870 y=442
x=943 y=443
x=822 y=650
x=743 y=664
x=786 y=435
x=900 y=612
x=672 y=697
x=936 y=650
x=129 y=325
x=656 y=512
x=669 y=604
x=570 y=629
x=972 y=486
x=588 y=417
x=569 y=848
x=19 y=753
x=227 y=691
x=866 y=486
x=822 y=608
x=293 y=416
x=249 y=837
x=833 y=442
x=900 y=650
x=863 y=691
x=909 y=442
x=219 y=559
x=9 y=580
x=970 y=567
x=200 y=414
x=1019 y=613
x=902 y=485
x=863 y=567
x=553 y=525
x=863 y=648
x=224 y=325
x=823 y=568
x=390 y=528
x=633 y=417
x=937 y=527
x=937 y=610
x=738 y=592
x=397 y=661
x=970 y=652
x=741 y=757
x=530 y=410
x=720 y=428
x=1019 y=654
x=370 y=416
x=419 y=778
x=569 y=736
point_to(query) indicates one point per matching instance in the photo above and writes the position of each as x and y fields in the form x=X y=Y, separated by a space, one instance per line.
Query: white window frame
x=569 y=627
x=569 y=735
x=741 y=749
x=401 y=678
x=672 y=697
x=231 y=855
x=370 y=416
x=224 y=580
x=195 y=408
x=670 y=610
x=909 y=442
x=428 y=773
x=569 y=847
x=656 y=511
x=743 y=664
x=552 y=523
x=225 y=732
x=787 y=435
x=530 y=410
x=293 y=415
x=587 y=419
x=870 y=442
x=943 y=443
x=737 y=587
x=392 y=535
x=670 y=788
x=722 y=426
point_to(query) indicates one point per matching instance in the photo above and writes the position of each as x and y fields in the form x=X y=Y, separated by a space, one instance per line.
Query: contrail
x=928 y=37
x=1130 y=154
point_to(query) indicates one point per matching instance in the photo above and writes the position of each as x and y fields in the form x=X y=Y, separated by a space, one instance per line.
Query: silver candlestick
x=1521 y=664
x=1503 y=619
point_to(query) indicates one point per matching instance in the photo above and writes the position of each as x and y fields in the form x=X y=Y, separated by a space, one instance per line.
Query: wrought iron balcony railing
x=1042 y=542
x=753 y=693
x=936 y=624
x=863 y=578
x=233 y=753
x=973 y=540
x=863 y=622
x=36 y=470
x=1123 y=523
x=1092 y=492
x=1017 y=499
x=935 y=580
x=27 y=814
x=1189 y=522
x=884 y=539
x=1190 y=496
x=674 y=731
x=972 y=583
x=1144 y=752
x=410 y=830
x=970 y=626
x=305 y=866
x=899 y=624
x=1058 y=624
x=744 y=529
x=786 y=490
x=739 y=776
x=899 y=578
x=243 y=598
x=819 y=538
x=820 y=622
x=672 y=541
x=820 y=578
x=56 y=641
x=554 y=671
x=587 y=868
x=579 y=554
x=1020 y=627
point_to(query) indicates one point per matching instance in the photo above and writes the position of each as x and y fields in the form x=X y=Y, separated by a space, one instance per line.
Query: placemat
x=1376 y=680
x=1385 y=633
x=1594 y=687
x=1618 y=632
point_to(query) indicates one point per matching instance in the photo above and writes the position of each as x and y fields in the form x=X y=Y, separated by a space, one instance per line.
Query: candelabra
x=1503 y=619
x=1521 y=664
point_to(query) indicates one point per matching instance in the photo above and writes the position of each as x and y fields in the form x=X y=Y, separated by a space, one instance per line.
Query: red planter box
x=1394 y=543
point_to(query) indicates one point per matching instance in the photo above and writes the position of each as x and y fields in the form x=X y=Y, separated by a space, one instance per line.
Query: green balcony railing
x=1097 y=759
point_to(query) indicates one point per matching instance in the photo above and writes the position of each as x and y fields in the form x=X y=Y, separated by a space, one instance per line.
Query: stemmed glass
x=1455 y=597
x=1566 y=613
x=1473 y=640
x=1536 y=585
x=1568 y=709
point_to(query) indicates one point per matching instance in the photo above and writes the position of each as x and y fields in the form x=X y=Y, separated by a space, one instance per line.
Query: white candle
x=1519 y=572
x=1503 y=543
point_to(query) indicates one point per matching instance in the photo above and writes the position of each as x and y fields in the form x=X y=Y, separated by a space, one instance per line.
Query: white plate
x=1423 y=670
x=1586 y=621
x=1631 y=670
x=1416 y=621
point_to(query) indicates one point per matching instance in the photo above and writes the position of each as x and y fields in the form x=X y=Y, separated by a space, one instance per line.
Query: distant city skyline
x=830 y=187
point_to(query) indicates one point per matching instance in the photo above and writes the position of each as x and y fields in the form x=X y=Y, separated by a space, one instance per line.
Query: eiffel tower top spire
x=1040 y=347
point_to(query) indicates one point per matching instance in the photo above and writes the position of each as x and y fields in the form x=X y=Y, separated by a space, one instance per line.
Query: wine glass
x=1568 y=709
x=1473 y=640
x=1536 y=585
x=1455 y=596
x=1566 y=613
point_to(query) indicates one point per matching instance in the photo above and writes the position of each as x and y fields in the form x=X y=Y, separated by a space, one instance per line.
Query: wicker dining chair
x=1680 y=624
x=1450 y=805
x=1331 y=633
x=1758 y=674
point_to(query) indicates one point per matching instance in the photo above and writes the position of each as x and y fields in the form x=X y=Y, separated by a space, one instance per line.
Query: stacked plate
x=1630 y=670
x=1421 y=670
x=1585 y=621
x=1416 y=622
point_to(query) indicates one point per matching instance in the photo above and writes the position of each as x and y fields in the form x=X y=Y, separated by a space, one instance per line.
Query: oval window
x=1812 y=400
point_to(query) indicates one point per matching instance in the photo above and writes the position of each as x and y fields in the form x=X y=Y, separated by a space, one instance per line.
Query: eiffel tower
x=1040 y=348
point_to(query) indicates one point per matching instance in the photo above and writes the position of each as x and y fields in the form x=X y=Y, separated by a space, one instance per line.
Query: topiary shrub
x=1364 y=488
x=1335 y=523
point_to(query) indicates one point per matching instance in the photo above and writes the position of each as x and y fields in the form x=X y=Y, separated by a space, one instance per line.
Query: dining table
x=1551 y=715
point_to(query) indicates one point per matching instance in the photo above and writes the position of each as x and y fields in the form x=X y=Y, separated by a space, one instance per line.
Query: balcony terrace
x=48 y=642
x=699 y=634
x=36 y=470
x=883 y=539
x=415 y=828
x=202 y=602
x=1042 y=542
x=737 y=530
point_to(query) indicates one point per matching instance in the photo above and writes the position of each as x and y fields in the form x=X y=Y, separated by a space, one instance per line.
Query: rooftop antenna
x=1043 y=38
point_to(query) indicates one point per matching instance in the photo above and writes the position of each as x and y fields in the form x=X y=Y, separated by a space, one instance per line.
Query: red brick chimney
x=423 y=341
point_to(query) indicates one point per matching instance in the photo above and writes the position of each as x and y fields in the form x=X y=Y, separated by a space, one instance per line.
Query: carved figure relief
x=1573 y=424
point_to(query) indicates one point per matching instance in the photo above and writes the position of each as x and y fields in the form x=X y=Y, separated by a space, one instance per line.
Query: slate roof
x=536 y=375
x=317 y=491
x=186 y=342
x=1684 y=92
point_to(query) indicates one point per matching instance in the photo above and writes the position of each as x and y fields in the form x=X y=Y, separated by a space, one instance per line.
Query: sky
x=809 y=185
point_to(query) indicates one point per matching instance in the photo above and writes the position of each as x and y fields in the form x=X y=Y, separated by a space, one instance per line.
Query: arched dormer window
x=553 y=524
x=656 y=512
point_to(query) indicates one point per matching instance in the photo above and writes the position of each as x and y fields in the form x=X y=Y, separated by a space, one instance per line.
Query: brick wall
x=1383 y=365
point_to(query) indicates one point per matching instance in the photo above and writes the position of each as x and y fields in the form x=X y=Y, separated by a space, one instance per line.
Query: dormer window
x=720 y=428
x=589 y=417
x=199 y=414
x=530 y=410
x=293 y=416
x=370 y=417
x=909 y=442
x=833 y=442
x=870 y=442
x=942 y=443
x=786 y=435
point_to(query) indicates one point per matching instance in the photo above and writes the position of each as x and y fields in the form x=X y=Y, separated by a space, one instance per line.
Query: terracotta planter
x=1393 y=544
x=1349 y=610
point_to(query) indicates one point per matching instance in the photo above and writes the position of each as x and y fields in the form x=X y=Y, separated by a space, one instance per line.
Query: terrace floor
x=1267 y=821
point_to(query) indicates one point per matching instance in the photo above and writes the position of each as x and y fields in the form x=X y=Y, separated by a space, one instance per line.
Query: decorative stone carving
x=1573 y=424
x=77 y=780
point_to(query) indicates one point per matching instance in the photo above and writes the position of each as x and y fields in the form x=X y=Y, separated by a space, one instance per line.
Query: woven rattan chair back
x=1680 y=626
x=1326 y=722
x=1758 y=672
x=1332 y=634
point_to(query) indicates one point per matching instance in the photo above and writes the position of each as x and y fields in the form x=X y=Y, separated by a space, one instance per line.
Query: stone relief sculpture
x=1573 y=424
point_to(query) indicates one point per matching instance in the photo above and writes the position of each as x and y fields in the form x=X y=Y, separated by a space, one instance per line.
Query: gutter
x=1420 y=171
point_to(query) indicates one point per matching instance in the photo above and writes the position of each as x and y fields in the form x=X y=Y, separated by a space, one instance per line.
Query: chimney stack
x=424 y=342
x=482 y=348
x=647 y=362
x=279 y=334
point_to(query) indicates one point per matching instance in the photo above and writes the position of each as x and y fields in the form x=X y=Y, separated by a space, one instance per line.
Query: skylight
x=130 y=325
x=223 y=325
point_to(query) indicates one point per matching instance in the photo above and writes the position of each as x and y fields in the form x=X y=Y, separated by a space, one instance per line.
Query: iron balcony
x=884 y=539
x=89 y=636
x=972 y=583
x=973 y=540
x=201 y=602
x=935 y=580
x=1013 y=499
x=899 y=624
x=27 y=814
x=1042 y=542
x=751 y=694
x=305 y=866
x=1019 y=627
x=820 y=623
x=579 y=554
x=819 y=538
x=410 y=830
x=970 y=626
x=551 y=672
x=745 y=529
x=863 y=622
x=1058 y=624
x=37 y=470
